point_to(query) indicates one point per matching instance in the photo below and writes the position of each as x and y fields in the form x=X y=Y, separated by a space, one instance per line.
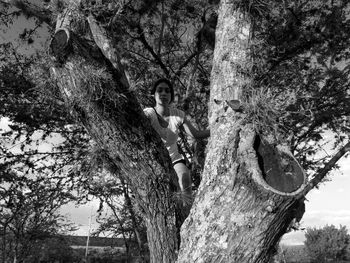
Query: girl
x=166 y=120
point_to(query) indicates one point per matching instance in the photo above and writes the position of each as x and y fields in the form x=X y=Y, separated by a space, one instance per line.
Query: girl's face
x=162 y=94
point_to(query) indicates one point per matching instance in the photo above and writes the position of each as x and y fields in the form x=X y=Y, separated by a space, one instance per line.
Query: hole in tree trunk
x=60 y=45
x=280 y=170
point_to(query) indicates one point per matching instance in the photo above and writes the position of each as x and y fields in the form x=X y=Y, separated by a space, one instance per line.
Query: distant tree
x=41 y=137
x=53 y=249
x=291 y=254
x=122 y=220
x=327 y=243
x=29 y=214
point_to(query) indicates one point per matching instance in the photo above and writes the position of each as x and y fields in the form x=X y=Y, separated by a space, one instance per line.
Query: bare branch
x=321 y=174
x=138 y=54
x=188 y=60
x=150 y=49
x=161 y=31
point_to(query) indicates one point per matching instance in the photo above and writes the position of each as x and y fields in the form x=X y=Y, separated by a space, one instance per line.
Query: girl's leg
x=184 y=176
x=185 y=182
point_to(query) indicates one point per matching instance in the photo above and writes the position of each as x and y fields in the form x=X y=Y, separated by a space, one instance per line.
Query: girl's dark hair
x=166 y=81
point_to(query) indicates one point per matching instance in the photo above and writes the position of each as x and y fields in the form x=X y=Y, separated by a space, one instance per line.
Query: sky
x=327 y=205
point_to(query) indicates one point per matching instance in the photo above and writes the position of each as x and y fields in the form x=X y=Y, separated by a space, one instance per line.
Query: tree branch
x=40 y=12
x=321 y=174
x=161 y=31
x=300 y=138
x=150 y=49
x=138 y=54
x=108 y=49
x=188 y=60
x=293 y=51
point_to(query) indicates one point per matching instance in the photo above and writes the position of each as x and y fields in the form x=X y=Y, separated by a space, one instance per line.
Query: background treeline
x=325 y=244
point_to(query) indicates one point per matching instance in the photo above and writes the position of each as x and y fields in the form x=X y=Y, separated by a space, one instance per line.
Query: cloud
x=321 y=218
x=317 y=219
x=345 y=163
x=80 y=216
x=293 y=238
x=314 y=191
x=4 y=124
x=330 y=212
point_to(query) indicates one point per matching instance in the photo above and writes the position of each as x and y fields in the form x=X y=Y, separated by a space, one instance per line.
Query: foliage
x=291 y=254
x=327 y=243
x=103 y=255
x=29 y=214
x=165 y=47
x=300 y=76
x=53 y=249
x=119 y=218
x=40 y=131
x=302 y=61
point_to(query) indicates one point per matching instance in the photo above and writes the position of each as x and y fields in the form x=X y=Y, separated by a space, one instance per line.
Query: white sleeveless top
x=170 y=134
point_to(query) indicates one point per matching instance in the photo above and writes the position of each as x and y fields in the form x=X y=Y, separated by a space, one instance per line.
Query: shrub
x=327 y=243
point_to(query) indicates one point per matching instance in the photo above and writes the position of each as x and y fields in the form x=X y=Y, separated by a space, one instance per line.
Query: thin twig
x=321 y=174
x=158 y=60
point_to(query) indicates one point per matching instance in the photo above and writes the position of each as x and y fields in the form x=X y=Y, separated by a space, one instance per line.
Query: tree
x=252 y=188
x=327 y=243
x=29 y=215
x=54 y=249
x=122 y=220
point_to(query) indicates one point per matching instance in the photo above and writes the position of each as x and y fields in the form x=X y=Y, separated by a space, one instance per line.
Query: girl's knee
x=185 y=182
x=186 y=177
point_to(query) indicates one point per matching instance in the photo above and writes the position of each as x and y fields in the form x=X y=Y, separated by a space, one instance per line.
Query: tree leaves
x=327 y=243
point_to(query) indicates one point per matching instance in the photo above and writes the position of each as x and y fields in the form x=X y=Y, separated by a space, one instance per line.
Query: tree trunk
x=135 y=226
x=95 y=88
x=250 y=188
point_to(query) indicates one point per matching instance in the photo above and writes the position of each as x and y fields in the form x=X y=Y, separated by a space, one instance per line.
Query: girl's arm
x=194 y=132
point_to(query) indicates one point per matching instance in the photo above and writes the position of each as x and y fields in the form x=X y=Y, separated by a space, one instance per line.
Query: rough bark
x=96 y=90
x=251 y=188
x=237 y=216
